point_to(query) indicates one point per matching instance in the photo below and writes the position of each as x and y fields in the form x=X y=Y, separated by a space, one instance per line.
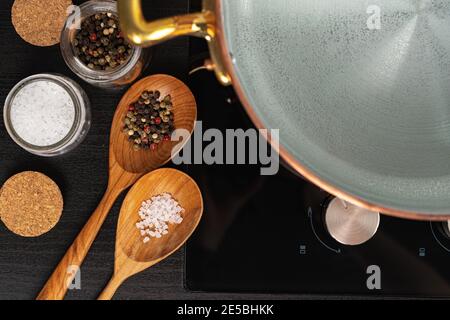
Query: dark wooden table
x=25 y=264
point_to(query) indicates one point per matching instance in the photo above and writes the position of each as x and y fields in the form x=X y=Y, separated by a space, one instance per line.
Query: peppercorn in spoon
x=133 y=254
x=126 y=166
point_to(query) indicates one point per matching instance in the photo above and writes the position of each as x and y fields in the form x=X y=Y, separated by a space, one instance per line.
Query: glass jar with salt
x=47 y=114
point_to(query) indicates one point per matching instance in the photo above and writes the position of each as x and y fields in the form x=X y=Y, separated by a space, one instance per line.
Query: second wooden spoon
x=132 y=255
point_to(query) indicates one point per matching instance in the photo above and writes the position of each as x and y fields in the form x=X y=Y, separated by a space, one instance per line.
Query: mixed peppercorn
x=149 y=121
x=99 y=43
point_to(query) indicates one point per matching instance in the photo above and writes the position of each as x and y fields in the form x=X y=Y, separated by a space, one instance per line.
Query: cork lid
x=40 y=22
x=30 y=204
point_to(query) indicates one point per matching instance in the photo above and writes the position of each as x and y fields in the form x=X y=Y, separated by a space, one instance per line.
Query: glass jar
x=72 y=131
x=116 y=78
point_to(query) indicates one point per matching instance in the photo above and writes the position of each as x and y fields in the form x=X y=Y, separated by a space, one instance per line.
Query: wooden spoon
x=126 y=166
x=132 y=254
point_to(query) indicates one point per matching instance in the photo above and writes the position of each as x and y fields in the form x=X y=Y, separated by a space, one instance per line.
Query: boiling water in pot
x=359 y=89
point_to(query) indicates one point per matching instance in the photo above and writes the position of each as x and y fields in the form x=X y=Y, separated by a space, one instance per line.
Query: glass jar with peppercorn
x=95 y=49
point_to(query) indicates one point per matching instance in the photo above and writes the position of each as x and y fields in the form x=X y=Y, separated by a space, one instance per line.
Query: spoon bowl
x=184 y=190
x=184 y=111
x=132 y=254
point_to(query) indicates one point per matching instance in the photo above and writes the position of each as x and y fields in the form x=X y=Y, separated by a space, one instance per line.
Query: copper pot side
x=290 y=160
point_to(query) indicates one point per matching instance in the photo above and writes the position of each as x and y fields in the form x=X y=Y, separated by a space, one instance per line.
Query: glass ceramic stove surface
x=267 y=233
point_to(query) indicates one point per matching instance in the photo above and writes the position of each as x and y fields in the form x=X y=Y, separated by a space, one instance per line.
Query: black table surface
x=26 y=263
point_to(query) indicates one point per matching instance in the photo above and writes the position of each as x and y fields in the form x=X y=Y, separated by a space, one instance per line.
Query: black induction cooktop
x=267 y=234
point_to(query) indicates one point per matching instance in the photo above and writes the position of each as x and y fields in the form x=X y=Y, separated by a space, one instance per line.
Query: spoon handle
x=59 y=282
x=110 y=288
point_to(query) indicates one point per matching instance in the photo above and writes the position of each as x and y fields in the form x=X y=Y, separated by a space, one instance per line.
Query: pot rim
x=288 y=157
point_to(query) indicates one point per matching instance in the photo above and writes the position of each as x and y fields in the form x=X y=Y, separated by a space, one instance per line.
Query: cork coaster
x=30 y=204
x=40 y=22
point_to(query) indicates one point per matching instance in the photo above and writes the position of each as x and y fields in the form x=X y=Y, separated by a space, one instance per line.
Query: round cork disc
x=30 y=204
x=40 y=22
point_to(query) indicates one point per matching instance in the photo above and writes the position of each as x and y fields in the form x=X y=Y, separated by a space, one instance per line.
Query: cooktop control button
x=350 y=224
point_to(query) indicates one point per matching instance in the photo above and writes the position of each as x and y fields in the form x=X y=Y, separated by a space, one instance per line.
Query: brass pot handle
x=148 y=33
x=145 y=33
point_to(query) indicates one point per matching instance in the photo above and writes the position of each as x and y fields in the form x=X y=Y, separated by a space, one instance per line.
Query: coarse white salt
x=42 y=113
x=156 y=214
